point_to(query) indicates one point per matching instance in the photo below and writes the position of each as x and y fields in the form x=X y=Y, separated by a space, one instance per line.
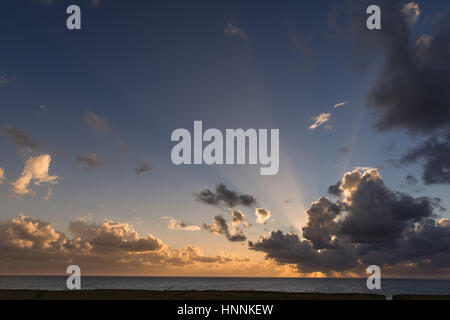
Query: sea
x=389 y=287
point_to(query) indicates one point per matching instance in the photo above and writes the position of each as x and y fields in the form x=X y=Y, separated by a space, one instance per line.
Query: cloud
x=321 y=223
x=411 y=13
x=144 y=166
x=238 y=218
x=122 y=147
x=36 y=172
x=96 y=3
x=411 y=180
x=345 y=149
x=111 y=235
x=290 y=249
x=47 y=3
x=26 y=233
x=91 y=160
x=335 y=189
x=48 y=194
x=233 y=31
x=97 y=123
x=302 y=45
x=262 y=215
x=378 y=226
x=434 y=154
x=324 y=117
x=351 y=181
x=224 y=196
x=411 y=91
x=340 y=104
x=319 y=120
x=220 y=227
x=364 y=168
x=2 y=175
x=20 y=138
x=175 y=224
x=33 y=246
x=4 y=79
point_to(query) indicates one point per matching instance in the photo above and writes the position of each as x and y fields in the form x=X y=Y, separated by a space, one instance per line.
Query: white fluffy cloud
x=352 y=179
x=35 y=172
x=262 y=215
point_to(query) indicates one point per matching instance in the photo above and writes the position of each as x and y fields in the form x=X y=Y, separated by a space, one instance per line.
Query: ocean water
x=389 y=287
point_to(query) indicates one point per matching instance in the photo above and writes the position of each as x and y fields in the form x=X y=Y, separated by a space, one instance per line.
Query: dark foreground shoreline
x=197 y=295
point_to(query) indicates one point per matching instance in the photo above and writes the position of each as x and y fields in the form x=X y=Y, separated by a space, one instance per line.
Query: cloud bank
x=367 y=224
x=33 y=246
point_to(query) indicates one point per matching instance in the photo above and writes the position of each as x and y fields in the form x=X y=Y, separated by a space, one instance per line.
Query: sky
x=86 y=175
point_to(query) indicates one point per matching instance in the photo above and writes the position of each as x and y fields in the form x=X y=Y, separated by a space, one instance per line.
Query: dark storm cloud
x=20 y=138
x=220 y=226
x=335 y=189
x=411 y=180
x=411 y=91
x=144 y=166
x=321 y=225
x=378 y=215
x=345 y=149
x=370 y=225
x=224 y=196
x=435 y=156
x=290 y=249
x=91 y=160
